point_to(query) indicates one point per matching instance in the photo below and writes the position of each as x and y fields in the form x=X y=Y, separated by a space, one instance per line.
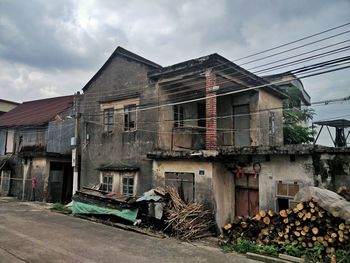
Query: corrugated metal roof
x=36 y=112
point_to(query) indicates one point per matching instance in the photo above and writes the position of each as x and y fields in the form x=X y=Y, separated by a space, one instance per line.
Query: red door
x=247 y=195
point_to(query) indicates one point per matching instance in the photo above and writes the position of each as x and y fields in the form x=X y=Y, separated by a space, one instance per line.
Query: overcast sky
x=52 y=48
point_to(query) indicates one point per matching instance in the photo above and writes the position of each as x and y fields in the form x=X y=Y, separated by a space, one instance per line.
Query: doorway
x=247 y=195
x=241 y=125
x=183 y=182
x=60 y=182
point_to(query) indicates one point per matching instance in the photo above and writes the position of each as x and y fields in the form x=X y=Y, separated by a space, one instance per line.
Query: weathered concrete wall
x=121 y=79
x=22 y=175
x=280 y=168
x=266 y=102
x=224 y=194
x=203 y=184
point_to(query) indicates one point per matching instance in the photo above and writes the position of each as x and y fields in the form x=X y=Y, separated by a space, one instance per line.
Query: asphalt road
x=29 y=232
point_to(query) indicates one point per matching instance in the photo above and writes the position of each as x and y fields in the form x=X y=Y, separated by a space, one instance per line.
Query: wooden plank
x=290 y=258
x=264 y=258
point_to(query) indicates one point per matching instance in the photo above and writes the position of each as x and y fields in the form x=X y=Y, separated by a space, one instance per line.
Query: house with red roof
x=35 y=150
x=6 y=105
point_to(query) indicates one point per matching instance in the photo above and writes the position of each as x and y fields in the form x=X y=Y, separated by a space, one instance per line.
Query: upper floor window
x=108 y=120
x=178 y=116
x=130 y=117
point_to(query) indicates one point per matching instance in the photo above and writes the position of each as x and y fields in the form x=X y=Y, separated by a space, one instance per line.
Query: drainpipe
x=76 y=143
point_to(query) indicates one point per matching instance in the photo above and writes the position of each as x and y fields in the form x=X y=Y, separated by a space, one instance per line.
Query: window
x=128 y=185
x=130 y=117
x=178 y=116
x=108 y=120
x=285 y=192
x=107 y=183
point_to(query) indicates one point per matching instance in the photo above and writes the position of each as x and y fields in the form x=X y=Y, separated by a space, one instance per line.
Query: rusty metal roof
x=35 y=112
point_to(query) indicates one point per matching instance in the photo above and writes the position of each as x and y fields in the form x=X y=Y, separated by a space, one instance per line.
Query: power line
x=292 y=42
x=249 y=88
x=313 y=66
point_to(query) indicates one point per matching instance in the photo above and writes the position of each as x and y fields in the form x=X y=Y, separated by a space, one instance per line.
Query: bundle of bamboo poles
x=306 y=225
x=187 y=221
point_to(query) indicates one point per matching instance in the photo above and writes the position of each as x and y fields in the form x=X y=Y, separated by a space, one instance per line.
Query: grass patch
x=58 y=207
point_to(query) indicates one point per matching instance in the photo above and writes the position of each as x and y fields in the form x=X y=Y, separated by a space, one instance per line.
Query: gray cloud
x=50 y=48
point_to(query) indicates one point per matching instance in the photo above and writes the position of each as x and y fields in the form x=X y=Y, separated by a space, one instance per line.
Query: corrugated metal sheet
x=59 y=136
x=36 y=112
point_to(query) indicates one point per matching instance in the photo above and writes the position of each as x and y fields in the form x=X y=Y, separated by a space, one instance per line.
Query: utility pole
x=75 y=143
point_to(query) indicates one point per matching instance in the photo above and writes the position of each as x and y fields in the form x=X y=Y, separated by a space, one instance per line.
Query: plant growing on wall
x=295 y=120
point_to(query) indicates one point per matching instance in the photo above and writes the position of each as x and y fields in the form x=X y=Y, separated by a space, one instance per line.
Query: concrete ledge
x=264 y=258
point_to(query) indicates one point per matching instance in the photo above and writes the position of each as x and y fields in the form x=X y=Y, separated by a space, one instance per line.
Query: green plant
x=295 y=130
x=61 y=208
x=342 y=256
x=242 y=246
x=292 y=250
x=270 y=250
x=314 y=254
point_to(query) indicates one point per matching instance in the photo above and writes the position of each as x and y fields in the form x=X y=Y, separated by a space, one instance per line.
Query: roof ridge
x=66 y=96
x=122 y=51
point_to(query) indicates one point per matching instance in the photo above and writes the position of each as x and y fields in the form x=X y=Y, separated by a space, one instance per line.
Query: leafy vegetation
x=245 y=246
x=295 y=119
x=342 y=256
x=314 y=254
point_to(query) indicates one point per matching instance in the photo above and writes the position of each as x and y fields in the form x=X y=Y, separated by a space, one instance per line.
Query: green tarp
x=83 y=208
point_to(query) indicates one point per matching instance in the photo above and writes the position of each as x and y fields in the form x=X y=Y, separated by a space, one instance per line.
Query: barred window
x=130 y=117
x=108 y=120
x=178 y=116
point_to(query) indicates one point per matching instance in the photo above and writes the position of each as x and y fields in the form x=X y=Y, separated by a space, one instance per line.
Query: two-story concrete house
x=145 y=125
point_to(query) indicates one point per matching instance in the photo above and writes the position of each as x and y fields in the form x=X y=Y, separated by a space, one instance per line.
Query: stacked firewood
x=306 y=225
x=187 y=221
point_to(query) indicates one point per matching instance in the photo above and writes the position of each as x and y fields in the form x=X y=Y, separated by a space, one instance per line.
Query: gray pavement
x=29 y=232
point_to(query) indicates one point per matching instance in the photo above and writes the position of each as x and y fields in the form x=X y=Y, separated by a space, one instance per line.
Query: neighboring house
x=131 y=111
x=35 y=143
x=293 y=86
x=6 y=105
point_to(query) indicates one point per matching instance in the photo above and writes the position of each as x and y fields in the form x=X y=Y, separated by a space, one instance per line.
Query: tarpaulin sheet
x=83 y=208
x=328 y=200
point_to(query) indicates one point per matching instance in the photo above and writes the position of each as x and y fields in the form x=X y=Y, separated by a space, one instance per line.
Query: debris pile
x=187 y=221
x=307 y=225
x=157 y=209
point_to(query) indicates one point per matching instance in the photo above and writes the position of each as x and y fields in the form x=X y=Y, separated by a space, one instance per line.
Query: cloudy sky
x=53 y=47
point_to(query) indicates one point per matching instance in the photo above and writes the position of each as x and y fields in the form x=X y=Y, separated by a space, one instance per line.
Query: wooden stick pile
x=307 y=225
x=187 y=221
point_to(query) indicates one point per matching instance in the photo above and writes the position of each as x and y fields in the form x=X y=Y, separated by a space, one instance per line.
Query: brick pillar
x=210 y=110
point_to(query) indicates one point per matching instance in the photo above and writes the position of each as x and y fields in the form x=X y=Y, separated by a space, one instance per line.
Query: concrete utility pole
x=75 y=143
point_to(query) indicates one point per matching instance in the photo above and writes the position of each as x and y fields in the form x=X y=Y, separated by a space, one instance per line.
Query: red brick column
x=210 y=110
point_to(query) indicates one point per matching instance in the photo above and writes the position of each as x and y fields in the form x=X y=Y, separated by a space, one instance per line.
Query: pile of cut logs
x=187 y=221
x=306 y=225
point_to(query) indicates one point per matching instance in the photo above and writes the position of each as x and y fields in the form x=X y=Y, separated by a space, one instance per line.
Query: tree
x=295 y=120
